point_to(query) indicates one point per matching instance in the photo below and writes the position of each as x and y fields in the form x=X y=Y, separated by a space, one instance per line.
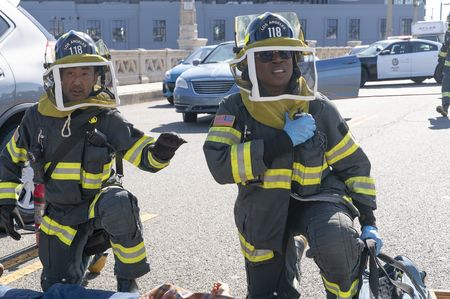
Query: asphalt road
x=190 y=235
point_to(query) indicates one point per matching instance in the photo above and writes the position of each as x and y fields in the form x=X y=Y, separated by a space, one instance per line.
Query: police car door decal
x=395 y=63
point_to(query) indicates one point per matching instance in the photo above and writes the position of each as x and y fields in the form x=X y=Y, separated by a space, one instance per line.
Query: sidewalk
x=138 y=93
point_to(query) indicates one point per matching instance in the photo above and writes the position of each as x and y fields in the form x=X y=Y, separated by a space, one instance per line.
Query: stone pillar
x=188 y=38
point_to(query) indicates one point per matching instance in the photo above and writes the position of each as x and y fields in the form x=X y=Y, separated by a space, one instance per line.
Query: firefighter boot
x=442 y=110
x=127 y=285
x=98 y=263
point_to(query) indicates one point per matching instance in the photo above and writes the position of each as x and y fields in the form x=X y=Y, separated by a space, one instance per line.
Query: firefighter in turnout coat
x=83 y=193
x=297 y=166
x=444 y=65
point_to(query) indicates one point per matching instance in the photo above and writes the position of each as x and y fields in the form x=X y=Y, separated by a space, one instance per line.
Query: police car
x=400 y=58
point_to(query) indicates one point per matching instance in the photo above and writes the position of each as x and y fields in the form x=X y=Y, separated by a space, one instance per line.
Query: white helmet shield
x=303 y=82
x=83 y=84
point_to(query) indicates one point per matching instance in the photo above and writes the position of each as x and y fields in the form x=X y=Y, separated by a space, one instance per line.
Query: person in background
x=298 y=168
x=444 y=65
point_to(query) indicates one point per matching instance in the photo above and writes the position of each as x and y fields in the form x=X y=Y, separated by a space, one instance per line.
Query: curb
x=140 y=97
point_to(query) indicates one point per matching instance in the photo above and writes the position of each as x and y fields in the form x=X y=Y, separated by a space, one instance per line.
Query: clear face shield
x=273 y=73
x=82 y=84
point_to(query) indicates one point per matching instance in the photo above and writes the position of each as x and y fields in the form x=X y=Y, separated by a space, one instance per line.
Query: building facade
x=151 y=24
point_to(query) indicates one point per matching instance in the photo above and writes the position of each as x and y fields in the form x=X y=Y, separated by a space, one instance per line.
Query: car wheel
x=189 y=117
x=170 y=100
x=418 y=80
x=438 y=73
x=364 y=77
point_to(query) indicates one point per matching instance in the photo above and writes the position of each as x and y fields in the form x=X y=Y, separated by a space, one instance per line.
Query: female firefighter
x=297 y=166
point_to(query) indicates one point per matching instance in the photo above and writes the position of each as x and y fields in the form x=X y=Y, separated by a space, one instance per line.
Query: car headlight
x=167 y=75
x=181 y=83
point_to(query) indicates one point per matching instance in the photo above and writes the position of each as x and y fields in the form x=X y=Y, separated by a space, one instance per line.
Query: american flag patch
x=224 y=120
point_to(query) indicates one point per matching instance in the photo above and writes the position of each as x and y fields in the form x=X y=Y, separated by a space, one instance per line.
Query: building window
x=94 y=29
x=332 y=28
x=219 y=30
x=405 y=28
x=382 y=34
x=119 y=31
x=353 y=29
x=303 y=24
x=159 y=30
x=56 y=28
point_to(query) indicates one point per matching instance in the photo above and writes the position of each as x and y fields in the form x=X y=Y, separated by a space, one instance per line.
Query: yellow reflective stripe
x=129 y=255
x=154 y=163
x=447 y=63
x=9 y=190
x=335 y=289
x=134 y=154
x=348 y=199
x=224 y=135
x=234 y=163
x=93 y=203
x=361 y=184
x=247 y=162
x=65 y=171
x=252 y=254
x=17 y=154
x=344 y=148
x=91 y=180
x=305 y=175
x=277 y=178
x=442 y=54
x=65 y=233
x=446 y=94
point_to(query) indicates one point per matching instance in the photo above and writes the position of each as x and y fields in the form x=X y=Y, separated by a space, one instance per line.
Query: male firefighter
x=71 y=138
x=444 y=65
x=298 y=168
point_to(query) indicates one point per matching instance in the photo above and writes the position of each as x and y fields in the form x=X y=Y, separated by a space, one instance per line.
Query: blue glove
x=371 y=232
x=300 y=129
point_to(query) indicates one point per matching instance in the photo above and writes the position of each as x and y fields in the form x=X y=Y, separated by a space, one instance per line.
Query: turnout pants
x=61 y=248
x=334 y=246
x=446 y=89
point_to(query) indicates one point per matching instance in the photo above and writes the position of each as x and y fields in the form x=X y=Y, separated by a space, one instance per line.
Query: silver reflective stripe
x=228 y=135
x=241 y=161
x=305 y=175
x=342 y=150
x=57 y=230
x=59 y=170
x=129 y=256
x=138 y=150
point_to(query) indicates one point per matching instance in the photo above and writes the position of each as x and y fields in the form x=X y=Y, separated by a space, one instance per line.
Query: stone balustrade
x=144 y=66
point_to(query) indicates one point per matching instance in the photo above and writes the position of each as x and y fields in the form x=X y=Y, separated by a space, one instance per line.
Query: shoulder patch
x=224 y=120
x=343 y=128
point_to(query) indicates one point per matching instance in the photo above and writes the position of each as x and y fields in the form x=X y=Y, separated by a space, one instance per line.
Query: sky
x=433 y=9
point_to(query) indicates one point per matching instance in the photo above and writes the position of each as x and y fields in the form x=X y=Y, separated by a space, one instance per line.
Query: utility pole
x=389 y=19
x=416 y=9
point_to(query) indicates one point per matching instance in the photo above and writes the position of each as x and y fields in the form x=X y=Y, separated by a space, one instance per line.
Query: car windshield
x=374 y=48
x=200 y=53
x=222 y=53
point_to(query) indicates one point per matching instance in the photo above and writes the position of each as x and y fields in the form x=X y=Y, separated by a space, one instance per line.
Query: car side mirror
x=196 y=62
x=385 y=52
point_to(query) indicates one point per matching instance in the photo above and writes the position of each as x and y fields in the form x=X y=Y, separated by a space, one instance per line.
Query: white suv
x=23 y=44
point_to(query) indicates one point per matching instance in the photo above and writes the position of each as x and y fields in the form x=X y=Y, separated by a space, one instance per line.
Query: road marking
x=21 y=273
x=147 y=216
x=31 y=253
x=354 y=122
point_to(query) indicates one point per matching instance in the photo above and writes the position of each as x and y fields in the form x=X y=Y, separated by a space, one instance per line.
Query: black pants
x=334 y=246
x=116 y=212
